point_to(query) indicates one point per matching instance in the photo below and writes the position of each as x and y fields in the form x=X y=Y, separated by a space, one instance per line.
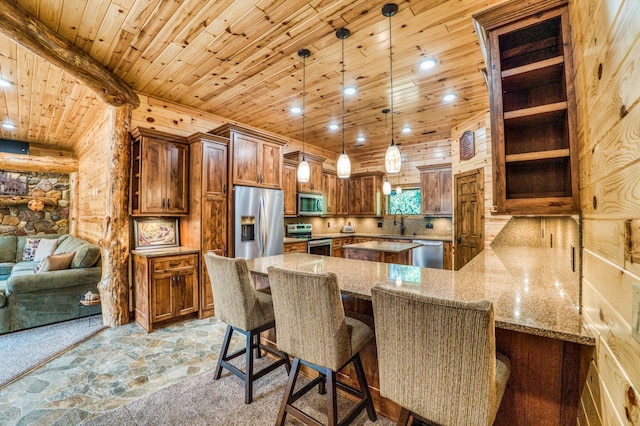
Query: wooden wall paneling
x=604 y=238
x=589 y=414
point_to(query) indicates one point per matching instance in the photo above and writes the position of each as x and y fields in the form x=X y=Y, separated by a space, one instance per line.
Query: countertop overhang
x=532 y=289
x=383 y=246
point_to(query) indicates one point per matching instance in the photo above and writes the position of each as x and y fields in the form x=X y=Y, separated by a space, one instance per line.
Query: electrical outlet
x=328 y=224
x=429 y=226
x=379 y=224
x=635 y=323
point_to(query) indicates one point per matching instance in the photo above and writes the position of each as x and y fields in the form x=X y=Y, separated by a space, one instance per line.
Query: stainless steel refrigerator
x=258 y=222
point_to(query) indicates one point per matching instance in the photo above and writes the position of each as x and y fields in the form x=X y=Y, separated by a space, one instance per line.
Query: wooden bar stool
x=313 y=329
x=245 y=311
x=437 y=358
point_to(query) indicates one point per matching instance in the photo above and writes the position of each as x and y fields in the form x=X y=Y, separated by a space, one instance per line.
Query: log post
x=114 y=286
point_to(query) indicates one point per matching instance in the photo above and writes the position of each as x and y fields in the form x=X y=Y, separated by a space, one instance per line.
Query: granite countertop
x=533 y=289
x=384 y=246
x=167 y=251
x=430 y=237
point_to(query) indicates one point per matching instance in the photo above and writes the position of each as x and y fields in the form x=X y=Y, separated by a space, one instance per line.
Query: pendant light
x=392 y=159
x=304 y=172
x=398 y=188
x=344 y=164
x=386 y=186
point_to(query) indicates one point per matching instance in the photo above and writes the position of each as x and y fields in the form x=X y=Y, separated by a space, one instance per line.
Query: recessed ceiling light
x=406 y=129
x=333 y=126
x=449 y=97
x=428 y=63
x=350 y=90
x=8 y=126
x=5 y=83
x=295 y=109
x=360 y=138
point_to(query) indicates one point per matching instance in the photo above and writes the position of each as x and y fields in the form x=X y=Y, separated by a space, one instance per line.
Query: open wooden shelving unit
x=532 y=109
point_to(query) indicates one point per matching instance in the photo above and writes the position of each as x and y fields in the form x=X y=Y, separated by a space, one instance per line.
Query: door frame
x=481 y=200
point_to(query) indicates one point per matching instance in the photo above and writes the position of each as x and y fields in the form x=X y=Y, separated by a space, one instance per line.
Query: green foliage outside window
x=408 y=202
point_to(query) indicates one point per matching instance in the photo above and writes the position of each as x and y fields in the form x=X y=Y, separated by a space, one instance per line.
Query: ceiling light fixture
x=392 y=158
x=303 y=168
x=360 y=139
x=9 y=126
x=333 y=126
x=344 y=164
x=406 y=129
x=350 y=90
x=449 y=97
x=5 y=83
x=428 y=63
x=295 y=110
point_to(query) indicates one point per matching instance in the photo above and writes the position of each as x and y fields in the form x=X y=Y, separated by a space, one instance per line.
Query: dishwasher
x=429 y=255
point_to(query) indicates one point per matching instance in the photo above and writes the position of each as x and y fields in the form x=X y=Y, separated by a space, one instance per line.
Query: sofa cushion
x=22 y=241
x=22 y=268
x=55 y=262
x=30 y=248
x=8 y=245
x=86 y=254
x=45 y=248
x=5 y=268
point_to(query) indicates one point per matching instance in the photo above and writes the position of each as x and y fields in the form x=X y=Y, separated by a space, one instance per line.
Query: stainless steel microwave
x=310 y=204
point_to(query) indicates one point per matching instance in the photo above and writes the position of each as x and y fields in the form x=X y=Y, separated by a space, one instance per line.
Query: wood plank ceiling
x=238 y=59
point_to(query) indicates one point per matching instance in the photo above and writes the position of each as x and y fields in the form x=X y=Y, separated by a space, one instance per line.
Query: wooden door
x=270 y=161
x=429 y=193
x=214 y=238
x=176 y=178
x=368 y=192
x=214 y=169
x=445 y=203
x=186 y=292
x=246 y=150
x=469 y=216
x=342 y=196
x=153 y=176
x=355 y=195
x=329 y=188
x=289 y=176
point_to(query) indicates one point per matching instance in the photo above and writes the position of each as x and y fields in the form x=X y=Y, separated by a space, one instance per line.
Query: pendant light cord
x=391 y=79
x=304 y=98
x=342 y=90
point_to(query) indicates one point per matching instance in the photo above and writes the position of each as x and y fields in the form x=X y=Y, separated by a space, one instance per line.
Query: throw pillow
x=55 y=262
x=30 y=247
x=45 y=247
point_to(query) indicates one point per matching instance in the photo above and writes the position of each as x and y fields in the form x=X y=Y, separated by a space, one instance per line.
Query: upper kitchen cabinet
x=315 y=166
x=289 y=175
x=435 y=190
x=159 y=173
x=365 y=194
x=256 y=156
x=533 y=108
x=329 y=187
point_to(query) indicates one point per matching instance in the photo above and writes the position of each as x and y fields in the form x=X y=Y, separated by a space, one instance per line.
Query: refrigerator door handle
x=261 y=228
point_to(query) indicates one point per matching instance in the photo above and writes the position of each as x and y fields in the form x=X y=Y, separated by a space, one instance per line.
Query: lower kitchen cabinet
x=448 y=255
x=299 y=247
x=165 y=286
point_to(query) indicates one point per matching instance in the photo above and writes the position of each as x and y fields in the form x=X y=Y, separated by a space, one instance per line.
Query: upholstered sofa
x=29 y=298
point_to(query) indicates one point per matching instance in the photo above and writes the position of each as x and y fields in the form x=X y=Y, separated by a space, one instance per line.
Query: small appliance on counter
x=348 y=229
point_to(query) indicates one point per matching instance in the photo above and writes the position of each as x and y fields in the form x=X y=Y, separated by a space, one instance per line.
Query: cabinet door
x=368 y=192
x=289 y=188
x=153 y=181
x=186 y=292
x=355 y=196
x=214 y=169
x=429 y=194
x=270 y=160
x=329 y=186
x=176 y=178
x=445 y=205
x=342 y=196
x=162 y=297
x=214 y=238
x=316 y=176
x=246 y=151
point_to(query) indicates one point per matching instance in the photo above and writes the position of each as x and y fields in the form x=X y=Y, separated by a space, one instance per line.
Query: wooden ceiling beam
x=18 y=24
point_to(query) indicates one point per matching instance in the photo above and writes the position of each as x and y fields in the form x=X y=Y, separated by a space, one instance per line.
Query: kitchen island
x=538 y=322
x=381 y=251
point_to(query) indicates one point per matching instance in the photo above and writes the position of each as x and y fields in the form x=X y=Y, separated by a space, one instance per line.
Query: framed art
x=155 y=232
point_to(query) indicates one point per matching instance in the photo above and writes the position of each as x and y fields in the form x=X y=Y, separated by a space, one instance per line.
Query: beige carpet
x=200 y=400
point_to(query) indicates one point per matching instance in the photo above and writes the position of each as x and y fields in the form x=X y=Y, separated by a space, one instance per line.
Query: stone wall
x=44 y=210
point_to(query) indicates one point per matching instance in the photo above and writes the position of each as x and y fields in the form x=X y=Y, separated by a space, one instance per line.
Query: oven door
x=321 y=247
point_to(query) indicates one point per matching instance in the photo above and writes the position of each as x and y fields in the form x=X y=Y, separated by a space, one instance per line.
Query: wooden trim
x=18 y=24
x=534 y=66
x=542 y=109
x=364 y=174
x=514 y=10
x=433 y=167
x=226 y=129
x=297 y=156
x=138 y=132
x=206 y=137
x=539 y=155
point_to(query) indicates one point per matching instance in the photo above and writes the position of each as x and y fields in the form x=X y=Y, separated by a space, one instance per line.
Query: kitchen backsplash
x=413 y=226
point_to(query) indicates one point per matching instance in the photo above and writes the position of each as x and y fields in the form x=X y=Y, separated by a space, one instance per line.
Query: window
x=408 y=202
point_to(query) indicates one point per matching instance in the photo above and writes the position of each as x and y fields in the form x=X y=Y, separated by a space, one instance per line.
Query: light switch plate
x=635 y=323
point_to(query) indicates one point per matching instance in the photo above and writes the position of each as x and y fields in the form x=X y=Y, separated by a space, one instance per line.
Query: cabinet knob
x=168 y=203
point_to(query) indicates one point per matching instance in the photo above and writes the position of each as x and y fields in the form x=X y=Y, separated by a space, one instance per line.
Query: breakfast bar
x=535 y=293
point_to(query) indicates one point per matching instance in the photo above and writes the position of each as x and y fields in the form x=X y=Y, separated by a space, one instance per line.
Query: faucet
x=395 y=222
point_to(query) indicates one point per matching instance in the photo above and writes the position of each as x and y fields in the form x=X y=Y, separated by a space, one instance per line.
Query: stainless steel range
x=320 y=246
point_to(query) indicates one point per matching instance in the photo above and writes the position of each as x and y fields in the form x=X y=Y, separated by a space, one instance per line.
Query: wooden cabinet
x=297 y=247
x=365 y=194
x=256 y=156
x=315 y=166
x=448 y=255
x=159 y=173
x=435 y=190
x=329 y=186
x=166 y=288
x=289 y=176
x=337 y=243
x=342 y=196
x=533 y=108
x=207 y=225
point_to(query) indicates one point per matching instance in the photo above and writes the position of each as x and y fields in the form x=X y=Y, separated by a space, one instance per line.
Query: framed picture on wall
x=155 y=232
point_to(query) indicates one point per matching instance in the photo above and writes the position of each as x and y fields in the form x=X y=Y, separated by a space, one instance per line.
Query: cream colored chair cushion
x=437 y=357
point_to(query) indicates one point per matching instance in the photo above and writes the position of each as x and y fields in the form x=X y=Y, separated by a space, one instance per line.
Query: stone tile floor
x=114 y=367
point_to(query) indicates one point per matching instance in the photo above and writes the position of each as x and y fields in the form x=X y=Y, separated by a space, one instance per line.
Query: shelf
x=534 y=111
x=540 y=155
x=529 y=68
